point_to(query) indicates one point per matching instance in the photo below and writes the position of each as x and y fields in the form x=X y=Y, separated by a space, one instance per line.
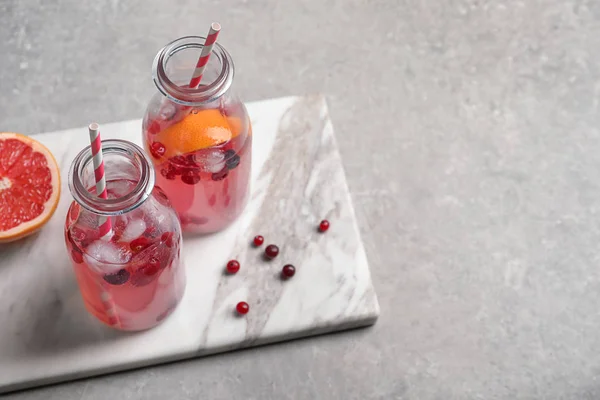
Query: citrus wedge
x=198 y=130
x=29 y=186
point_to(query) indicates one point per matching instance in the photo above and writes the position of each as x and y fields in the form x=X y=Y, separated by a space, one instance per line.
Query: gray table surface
x=470 y=136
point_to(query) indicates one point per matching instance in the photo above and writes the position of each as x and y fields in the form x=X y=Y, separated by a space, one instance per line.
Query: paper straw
x=105 y=226
x=215 y=28
x=109 y=308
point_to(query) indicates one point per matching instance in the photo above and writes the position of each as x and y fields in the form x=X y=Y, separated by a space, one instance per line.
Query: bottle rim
x=87 y=199
x=185 y=95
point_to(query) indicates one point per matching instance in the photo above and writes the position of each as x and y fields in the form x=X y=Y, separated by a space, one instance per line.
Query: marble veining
x=47 y=336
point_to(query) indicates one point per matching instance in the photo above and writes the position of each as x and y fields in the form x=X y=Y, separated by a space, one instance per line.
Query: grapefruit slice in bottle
x=29 y=186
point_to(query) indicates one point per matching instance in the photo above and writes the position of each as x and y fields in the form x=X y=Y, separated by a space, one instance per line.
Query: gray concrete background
x=469 y=133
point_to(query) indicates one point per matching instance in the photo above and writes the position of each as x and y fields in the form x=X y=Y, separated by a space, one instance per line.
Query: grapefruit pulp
x=29 y=186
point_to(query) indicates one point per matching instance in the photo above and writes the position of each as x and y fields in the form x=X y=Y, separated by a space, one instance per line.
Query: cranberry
x=212 y=200
x=167 y=238
x=288 y=271
x=151 y=231
x=227 y=201
x=153 y=128
x=190 y=177
x=146 y=274
x=232 y=160
x=233 y=266
x=324 y=225
x=271 y=251
x=169 y=173
x=258 y=240
x=139 y=244
x=76 y=256
x=157 y=149
x=219 y=176
x=117 y=278
x=242 y=307
x=190 y=160
x=180 y=161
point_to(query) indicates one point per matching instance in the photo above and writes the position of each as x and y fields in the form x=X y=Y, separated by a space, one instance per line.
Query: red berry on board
x=242 y=307
x=272 y=251
x=258 y=240
x=157 y=149
x=233 y=266
x=324 y=225
x=288 y=271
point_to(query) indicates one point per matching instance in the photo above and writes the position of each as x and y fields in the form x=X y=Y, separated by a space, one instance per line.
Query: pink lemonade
x=199 y=138
x=133 y=279
x=209 y=186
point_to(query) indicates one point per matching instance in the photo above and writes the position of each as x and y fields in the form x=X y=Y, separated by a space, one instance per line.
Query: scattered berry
x=233 y=266
x=190 y=177
x=288 y=271
x=242 y=307
x=324 y=225
x=157 y=149
x=117 y=278
x=258 y=240
x=271 y=251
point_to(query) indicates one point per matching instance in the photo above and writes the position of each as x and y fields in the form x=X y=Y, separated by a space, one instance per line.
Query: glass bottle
x=199 y=139
x=132 y=278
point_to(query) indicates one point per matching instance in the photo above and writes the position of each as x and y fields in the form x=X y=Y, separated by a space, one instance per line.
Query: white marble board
x=46 y=335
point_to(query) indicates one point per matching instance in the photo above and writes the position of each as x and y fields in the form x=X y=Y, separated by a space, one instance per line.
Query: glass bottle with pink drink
x=133 y=277
x=199 y=138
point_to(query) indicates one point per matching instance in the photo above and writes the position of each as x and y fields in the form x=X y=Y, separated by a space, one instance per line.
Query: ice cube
x=210 y=160
x=119 y=188
x=107 y=256
x=167 y=111
x=133 y=230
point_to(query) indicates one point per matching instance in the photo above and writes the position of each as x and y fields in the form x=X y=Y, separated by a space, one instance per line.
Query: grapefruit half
x=29 y=186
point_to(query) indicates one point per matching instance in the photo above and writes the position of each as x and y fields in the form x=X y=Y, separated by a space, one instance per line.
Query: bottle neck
x=123 y=160
x=174 y=67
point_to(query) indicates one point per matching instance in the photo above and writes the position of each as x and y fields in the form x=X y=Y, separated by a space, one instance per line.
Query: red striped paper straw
x=105 y=226
x=209 y=43
x=109 y=308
